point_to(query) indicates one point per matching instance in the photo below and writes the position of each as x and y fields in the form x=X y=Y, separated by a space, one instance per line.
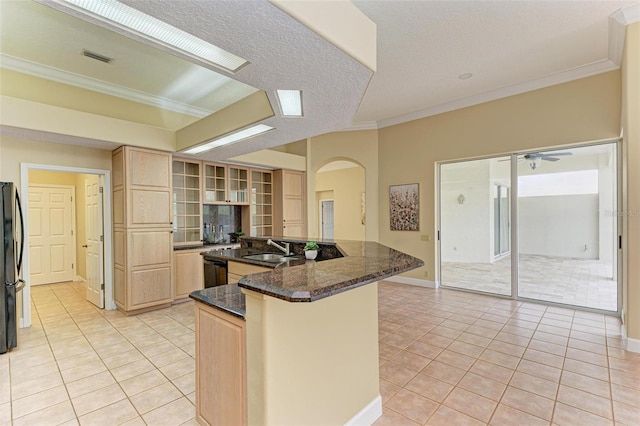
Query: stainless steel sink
x=267 y=257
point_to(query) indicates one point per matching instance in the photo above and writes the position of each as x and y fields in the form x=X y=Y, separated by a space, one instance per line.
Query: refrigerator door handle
x=21 y=233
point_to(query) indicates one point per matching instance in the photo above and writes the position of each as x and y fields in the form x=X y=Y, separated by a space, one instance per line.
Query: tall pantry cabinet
x=289 y=204
x=142 y=228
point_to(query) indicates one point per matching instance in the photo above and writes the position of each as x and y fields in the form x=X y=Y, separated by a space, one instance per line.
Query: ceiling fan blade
x=546 y=158
x=559 y=154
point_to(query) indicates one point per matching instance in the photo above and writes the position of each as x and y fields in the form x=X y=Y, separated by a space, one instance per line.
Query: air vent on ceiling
x=97 y=56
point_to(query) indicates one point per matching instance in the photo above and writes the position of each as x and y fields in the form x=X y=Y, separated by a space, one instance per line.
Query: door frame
x=109 y=302
x=74 y=247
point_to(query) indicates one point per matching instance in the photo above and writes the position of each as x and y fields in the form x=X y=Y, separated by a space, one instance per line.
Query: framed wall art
x=404 y=207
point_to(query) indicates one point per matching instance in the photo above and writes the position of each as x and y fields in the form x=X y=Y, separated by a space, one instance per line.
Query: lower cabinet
x=237 y=270
x=188 y=272
x=142 y=276
x=221 y=367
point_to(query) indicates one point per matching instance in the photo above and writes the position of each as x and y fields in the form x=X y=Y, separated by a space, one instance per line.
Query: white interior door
x=326 y=207
x=51 y=234
x=94 y=244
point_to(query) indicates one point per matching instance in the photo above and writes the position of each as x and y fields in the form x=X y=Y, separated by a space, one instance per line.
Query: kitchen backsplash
x=214 y=216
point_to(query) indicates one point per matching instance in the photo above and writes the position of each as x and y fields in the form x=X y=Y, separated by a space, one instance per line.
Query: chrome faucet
x=284 y=249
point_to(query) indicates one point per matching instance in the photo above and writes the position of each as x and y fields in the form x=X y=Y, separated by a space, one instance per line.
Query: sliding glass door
x=474 y=225
x=566 y=231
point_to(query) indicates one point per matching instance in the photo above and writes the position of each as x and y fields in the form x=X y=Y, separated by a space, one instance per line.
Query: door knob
x=85 y=246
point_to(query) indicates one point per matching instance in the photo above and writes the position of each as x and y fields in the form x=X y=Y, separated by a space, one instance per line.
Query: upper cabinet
x=289 y=208
x=225 y=184
x=261 y=203
x=187 y=204
x=141 y=188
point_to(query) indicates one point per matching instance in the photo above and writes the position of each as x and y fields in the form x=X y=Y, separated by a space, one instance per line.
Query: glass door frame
x=514 y=249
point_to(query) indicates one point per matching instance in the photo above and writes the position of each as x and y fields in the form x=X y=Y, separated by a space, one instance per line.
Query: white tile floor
x=79 y=364
x=578 y=282
x=446 y=357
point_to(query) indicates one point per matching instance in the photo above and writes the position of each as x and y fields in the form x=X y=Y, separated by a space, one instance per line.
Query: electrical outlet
x=426 y=274
x=424 y=237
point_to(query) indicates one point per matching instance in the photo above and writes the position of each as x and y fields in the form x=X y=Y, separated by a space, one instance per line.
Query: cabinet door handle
x=85 y=246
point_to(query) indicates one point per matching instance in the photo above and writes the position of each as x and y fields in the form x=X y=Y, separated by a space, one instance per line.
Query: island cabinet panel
x=142 y=228
x=188 y=272
x=237 y=270
x=221 y=374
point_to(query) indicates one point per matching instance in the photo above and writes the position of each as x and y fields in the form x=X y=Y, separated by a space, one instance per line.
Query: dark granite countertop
x=299 y=280
x=227 y=298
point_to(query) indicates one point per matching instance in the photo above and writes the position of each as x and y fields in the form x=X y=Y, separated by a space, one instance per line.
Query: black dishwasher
x=215 y=272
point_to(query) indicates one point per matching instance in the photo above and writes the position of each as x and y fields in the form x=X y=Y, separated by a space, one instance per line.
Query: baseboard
x=630 y=344
x=369 y=414
x=80 y=279
x=412 y=281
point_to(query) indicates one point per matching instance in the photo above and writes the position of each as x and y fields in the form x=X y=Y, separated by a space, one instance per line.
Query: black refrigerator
x=11 y=251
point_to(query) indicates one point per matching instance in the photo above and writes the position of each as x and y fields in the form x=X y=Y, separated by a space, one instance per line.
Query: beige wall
x=40 y=90
x=17 y=151
x=578 y=111
x=360 y=147
x=631 y=177
x=346 y=187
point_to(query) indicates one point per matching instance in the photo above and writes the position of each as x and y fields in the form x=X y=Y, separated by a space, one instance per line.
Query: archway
x=339 y=190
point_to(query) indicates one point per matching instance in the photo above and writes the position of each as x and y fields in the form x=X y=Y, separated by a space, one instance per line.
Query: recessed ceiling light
x=231 y=138
x=154 y=29
x=290 y=102
x=465 y=76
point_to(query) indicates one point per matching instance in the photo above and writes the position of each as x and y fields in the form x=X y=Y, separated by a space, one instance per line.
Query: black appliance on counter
x=11 y=251
x=215 y=272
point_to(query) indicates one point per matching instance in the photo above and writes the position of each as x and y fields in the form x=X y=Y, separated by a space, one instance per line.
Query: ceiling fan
x=535 y=158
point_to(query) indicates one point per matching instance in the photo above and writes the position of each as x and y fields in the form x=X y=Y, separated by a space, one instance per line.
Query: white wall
x=466 y=228
x=559 y=225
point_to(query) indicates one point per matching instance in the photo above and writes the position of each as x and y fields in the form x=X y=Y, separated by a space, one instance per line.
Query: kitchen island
x=303 y=335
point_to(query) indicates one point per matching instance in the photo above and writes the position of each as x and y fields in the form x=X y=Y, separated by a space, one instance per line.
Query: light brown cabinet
x=237 y=270
x=142 y=228
x=289 y=208
x=221 y=368
x=261 y=220
x=186 y=202
x=188 y=272
x=225 y=184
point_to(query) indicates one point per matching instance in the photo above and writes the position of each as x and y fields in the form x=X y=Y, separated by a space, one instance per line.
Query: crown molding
x=516 y=89
x=42 y=71
x=618 y=22
x=365 y=125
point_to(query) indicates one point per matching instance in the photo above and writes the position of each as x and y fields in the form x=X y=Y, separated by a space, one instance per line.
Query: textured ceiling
x=423 y=46
x=50 y=44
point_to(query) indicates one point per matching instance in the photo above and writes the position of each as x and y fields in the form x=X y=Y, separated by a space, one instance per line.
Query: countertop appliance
x=11 y=251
